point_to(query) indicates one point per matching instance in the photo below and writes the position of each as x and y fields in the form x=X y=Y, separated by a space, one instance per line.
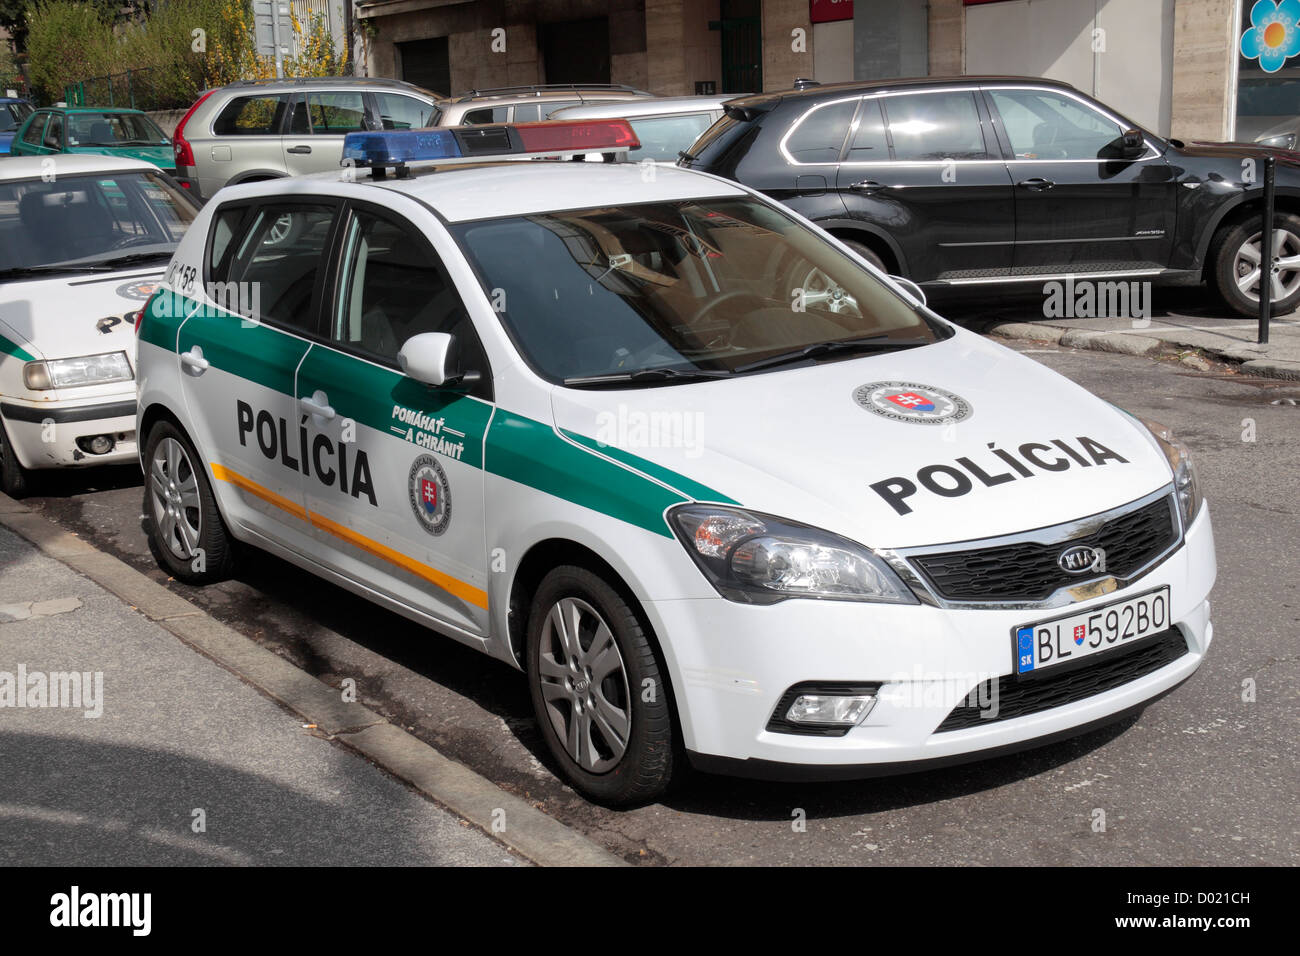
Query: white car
x=83 y=243
x=725 y=493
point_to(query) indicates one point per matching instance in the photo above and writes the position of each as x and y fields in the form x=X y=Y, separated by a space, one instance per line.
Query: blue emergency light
x=397 y=148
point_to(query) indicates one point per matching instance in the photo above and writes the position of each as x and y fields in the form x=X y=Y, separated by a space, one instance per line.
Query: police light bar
x=398 y=148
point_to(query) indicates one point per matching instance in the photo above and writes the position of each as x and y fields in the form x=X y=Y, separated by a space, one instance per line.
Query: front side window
x=278 y=258
x=32 y=135
x=334 y=114
x=392 y=286
x=928 y=127
x=12 y=115
x=707 y=285
x=251 y=116
x=90 y=220
x=663 y=137
x=54 y=132
x=820 y=135
x=1045 y=125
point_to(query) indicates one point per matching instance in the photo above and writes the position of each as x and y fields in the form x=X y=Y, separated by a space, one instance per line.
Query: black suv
x=990 y=180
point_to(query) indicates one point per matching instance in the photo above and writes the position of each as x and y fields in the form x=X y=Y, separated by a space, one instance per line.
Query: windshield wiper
x=872 y=343
x=28 y=272
x=648 y=375
x=130 y=258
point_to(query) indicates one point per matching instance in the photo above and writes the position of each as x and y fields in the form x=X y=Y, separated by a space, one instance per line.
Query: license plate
x=1065 y=639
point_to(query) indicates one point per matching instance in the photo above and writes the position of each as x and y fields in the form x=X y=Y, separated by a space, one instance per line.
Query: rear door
x=246 y=140
x=248 y=329
x=925 y=167
x=318 y=121
x=809 y=156
x=1079 y=207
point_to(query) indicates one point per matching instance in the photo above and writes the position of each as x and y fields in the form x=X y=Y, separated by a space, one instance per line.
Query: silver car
x=665 y=125
x=528 y=104
x=266 y=129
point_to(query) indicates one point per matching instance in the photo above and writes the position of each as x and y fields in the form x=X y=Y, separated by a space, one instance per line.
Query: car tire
x=866 y=252
x=1235 y=254
x=187 y=535
x=610 y=761
x=15 y=480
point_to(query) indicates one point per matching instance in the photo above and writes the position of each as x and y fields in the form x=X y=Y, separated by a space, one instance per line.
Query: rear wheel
x=186 y=534
x=1239 y=264
x=15 y=480
x=598 y=689
x=865 y=252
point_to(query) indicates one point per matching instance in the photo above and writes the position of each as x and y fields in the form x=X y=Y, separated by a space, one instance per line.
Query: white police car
x=726 y=494
x=83 y=244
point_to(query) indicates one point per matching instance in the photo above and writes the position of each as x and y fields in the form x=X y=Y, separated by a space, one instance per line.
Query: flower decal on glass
x=1274 y=33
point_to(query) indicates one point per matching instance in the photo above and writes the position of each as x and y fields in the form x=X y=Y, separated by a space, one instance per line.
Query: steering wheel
x=712 y=304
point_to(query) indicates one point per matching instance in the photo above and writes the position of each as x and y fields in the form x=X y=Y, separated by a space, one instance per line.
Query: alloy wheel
x=174 y=492
x=1283 y=266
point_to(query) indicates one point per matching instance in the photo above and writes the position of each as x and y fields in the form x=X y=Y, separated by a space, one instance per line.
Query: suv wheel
x=186 y=534
x=598 y=689
x=1237 y=261
x=15 y=480
x=865 y=252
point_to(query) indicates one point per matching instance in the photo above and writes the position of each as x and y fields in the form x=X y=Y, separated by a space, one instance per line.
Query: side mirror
x=427 y=358
x=912 y=288
x=1132 y=144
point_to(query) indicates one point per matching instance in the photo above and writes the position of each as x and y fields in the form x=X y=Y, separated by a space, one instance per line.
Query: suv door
x=1079 y=206
x=239 y=351
x=396 y=501
x=803 y=175
x=317 y=123
x=924 y=168
x=244 y=138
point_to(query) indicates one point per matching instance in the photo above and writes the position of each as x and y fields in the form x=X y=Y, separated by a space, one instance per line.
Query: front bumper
x=732 y=662
x=45 y=434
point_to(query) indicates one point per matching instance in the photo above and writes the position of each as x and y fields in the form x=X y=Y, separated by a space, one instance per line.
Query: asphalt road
x=1202 y=776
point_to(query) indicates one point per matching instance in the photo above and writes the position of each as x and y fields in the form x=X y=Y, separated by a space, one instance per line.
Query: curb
x=504 y=817
x=1126 y=344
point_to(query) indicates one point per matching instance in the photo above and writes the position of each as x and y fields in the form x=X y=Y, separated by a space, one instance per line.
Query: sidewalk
x=176 y=734
x=1181 y=321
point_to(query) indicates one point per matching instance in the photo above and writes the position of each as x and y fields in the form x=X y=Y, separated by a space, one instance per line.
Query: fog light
x=824 y=709
x=96 y=444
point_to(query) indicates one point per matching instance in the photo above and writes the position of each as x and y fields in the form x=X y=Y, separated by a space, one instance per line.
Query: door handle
x=1037 y=184
x=299 y=150
x=868 y=186
x=194 y=362
x=318 y=405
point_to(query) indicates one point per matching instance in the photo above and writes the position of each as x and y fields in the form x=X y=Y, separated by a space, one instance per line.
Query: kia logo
x=1080 y=559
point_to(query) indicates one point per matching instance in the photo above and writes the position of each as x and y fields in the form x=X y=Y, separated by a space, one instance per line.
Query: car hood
x=799 y=444
x=1239 y=151
x=75 y=315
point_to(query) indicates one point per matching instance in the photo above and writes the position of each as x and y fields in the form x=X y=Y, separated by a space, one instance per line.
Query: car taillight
x=184 y=154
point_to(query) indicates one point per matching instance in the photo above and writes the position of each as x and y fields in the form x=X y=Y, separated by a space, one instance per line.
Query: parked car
x=664 y=125
x=101 y=131
x=975 y=181
x=80 y=253
x=527 y=104
x=265 y=129
x=12 y=113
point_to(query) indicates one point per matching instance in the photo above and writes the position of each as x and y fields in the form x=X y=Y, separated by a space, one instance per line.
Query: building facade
x=1195 y=69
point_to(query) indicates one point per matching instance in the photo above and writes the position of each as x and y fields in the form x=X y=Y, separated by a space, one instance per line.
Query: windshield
x=700 y=285
x=12 y=115
x=85 y=221
x=113 y=129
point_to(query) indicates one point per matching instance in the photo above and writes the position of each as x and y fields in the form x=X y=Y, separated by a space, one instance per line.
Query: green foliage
x=66 y=42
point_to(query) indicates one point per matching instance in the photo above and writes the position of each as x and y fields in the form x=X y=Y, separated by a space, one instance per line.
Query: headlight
x=758 y=559
x=74 y=372
x=1180 y=461
x=1281 y=141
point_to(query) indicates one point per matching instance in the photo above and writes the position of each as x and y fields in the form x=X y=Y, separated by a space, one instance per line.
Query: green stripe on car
x=16 y=350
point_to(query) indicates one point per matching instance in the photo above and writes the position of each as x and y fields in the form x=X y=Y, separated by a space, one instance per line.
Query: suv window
x=251 y=116
x=820 y=134
x=393 y=286
x=935 y=126
x=279 y=256
x=405 y=112
x=32 y=135
x=333 y=114
x=869 y=143
x=1044 y=125
x=527 y=113
x=663 y=137
x=487 y=114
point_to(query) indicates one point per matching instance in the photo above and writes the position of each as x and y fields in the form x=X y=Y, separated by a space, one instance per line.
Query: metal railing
x=136 y=89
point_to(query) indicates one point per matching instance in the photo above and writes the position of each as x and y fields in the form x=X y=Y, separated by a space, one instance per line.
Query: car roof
x=564 y=91
x=872 y=86
x=69 y=164
x=643 y=107
x=287 y=84
x=463 y=192
x=95 y=109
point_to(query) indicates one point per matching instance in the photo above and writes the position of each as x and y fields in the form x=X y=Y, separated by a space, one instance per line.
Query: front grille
x=1028 y=571
x=1018 y=697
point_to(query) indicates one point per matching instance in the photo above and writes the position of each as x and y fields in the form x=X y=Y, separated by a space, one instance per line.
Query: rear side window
x=279 y=256
x=527 y=113
x=935 y=126
x=32 y=135
x=869 y=143
x=224 y=225
x=820 y=134
x=488 y=114
x=333 y=114
x=251 y=116
x=663 y=137
x=405 y=112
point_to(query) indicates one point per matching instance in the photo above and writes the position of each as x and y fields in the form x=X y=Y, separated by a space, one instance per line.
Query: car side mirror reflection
x=428 y=358
x=1131 y=144
x=912 y=288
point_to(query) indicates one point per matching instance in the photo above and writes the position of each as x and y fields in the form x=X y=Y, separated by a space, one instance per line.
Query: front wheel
x=186 y=534
x=598 y=689
x=15 y=480
x=1240 y=264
